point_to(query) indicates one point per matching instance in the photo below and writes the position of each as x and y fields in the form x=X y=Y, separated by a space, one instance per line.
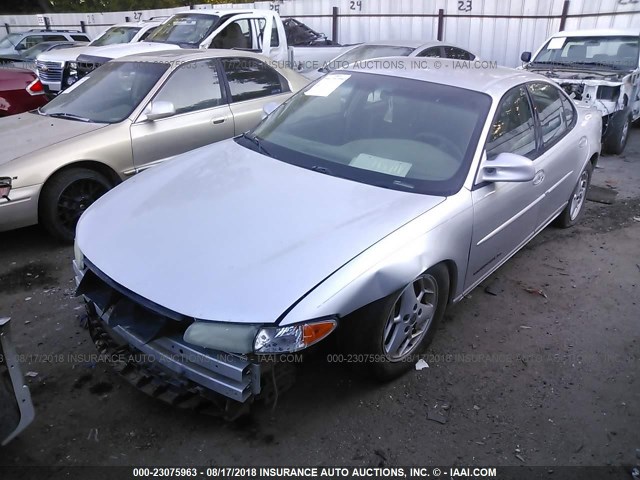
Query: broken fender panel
x=16 y=409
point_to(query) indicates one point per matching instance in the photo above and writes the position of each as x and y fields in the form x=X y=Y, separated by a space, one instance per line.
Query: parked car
x=125 y=117
x=391 y=48
x=27 y=58
x=20 y=91
x=53 y=67
x=226 y=29
x=367 y=202
x=16 y=408
x=598 y=68
x=14 y=43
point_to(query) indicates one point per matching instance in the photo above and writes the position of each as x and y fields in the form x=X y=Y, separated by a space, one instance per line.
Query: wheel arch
x=94 y=165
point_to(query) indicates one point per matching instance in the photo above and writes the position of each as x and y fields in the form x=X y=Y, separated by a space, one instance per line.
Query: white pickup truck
x=599 y=68
x=261 y=31
x=51 y=65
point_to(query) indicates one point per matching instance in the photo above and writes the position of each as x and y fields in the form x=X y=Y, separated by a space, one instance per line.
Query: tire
x=575 y=207
x=369 y=332
x=65 y=196
x=617 y=132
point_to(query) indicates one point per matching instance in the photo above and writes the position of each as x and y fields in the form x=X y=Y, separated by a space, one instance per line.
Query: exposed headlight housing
x=292 y=338
x=78 y=255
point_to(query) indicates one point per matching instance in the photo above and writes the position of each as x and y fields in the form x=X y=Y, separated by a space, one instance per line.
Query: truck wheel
x=390 y=334
x=573 y=211
x=66 y=196
x=617 y=132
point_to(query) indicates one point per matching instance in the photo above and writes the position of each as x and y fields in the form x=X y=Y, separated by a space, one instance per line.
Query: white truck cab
x=597 y=68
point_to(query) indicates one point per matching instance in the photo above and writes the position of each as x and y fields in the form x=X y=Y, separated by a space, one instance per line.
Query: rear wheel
x=574 y=209
x=392 y=332
x=617 y=132
x=66 y=196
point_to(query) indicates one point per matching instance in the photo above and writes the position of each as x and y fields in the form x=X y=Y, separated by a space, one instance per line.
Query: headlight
x=292 y=337
x=5 y=187
x=72 y=77
x=78 y=255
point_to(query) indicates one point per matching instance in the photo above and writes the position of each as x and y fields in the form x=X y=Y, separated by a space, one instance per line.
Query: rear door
x=505 y=214
x=252 y=84
x=563 y=148
x=202 y=115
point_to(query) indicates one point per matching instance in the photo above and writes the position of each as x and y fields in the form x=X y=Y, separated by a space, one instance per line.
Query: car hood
x=122 y=49
x=36 y=132
x=65 y=54
x=223 y=233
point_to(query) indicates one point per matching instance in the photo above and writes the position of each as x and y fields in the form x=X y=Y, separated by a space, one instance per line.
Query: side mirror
x=158 y=110
x=506 y=167
x=525 y=57
x=269 y=108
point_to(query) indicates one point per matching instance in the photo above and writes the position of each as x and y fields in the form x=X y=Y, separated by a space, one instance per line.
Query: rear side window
x=147 y=33
x=193 y=86
x=513 y=129
x=547 y=100
x=250 y=78
x=457 y=53
x=80 y=38
x=430 y=52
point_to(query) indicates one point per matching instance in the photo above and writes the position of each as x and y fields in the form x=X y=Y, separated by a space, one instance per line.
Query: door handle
x=218 y=121
x=539 y=177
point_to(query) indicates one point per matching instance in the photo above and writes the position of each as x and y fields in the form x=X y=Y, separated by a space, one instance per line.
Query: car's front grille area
x=157 y=333
x=49 y=71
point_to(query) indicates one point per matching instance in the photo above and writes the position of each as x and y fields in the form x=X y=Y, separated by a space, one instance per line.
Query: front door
x=202 y=116
x=505 y=214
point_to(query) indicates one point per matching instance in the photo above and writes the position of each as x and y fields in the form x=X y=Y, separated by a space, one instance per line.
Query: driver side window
x=513 y=128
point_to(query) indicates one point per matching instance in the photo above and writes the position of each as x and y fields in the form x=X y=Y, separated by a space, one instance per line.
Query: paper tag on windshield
x=72 y=87
x=556 y=43
x=327 y=85
x=381 y=165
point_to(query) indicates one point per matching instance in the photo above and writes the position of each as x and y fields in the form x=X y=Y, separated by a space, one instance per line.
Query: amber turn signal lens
x=314 y=332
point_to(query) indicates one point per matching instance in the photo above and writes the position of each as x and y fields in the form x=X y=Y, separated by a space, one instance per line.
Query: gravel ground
x=539 y=366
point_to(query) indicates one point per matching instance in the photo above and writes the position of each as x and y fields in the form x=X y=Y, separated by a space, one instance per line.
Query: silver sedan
x=365 y=204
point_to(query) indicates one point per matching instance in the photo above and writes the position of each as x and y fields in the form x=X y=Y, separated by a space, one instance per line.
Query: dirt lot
x=549 y=378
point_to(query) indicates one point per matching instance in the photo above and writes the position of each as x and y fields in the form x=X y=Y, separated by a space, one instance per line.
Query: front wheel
x=66 y=196
x=390 y=334
x=574 y=209
x=617 y=132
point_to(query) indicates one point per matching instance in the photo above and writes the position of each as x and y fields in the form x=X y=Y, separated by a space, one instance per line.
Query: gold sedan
x=130 y=114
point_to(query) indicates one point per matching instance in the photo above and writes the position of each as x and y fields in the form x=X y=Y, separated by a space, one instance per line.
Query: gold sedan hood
x=27 y=133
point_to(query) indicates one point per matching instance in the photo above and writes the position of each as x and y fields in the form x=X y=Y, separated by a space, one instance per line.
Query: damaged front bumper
x=145 y=343
x=15 y=400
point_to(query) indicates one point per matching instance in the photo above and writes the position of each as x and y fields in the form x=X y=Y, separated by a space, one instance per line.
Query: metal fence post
x=47 y=23
x=334 y=29
x=565 y=11
x=440 y=24
x=127 y=19
x=7 y=28
x=83 y=26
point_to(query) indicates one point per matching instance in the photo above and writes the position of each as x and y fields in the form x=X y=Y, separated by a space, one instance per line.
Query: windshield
x=185 y=29
x=388 y=131
x=115 y=35
x=619 y=53
x=366 y=52
x=107 y=95
x=10 y=40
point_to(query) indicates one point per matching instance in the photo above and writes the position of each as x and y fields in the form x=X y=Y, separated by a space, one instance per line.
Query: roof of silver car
x=471 y=75
x=184 y=55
